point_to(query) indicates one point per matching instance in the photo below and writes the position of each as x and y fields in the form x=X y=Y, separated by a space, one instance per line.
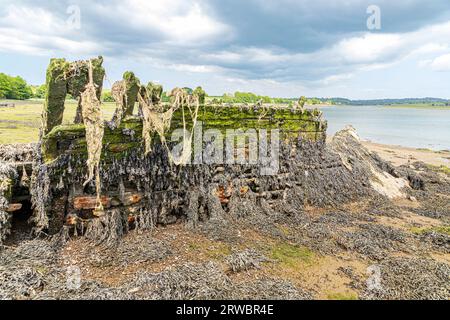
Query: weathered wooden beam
x=90 y=202
x=13 y=207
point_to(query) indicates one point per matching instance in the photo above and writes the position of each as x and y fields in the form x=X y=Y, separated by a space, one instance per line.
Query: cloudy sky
x=283 y=48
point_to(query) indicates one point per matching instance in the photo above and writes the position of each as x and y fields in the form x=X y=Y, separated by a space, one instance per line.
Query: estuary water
x=409 y=127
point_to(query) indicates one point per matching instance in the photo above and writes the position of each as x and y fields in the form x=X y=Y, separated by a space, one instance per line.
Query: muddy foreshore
x=375 y=248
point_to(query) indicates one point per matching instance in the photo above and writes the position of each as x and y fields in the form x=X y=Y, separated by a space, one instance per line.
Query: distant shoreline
x=393 y=106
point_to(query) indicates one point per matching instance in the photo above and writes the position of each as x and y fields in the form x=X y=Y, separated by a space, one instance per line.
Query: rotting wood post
x=155 y=92
x=132 y=89
x=80 y=78
x=65 y=78
x=56 y=94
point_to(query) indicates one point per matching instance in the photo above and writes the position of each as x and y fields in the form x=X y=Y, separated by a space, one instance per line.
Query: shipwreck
x=99 y=179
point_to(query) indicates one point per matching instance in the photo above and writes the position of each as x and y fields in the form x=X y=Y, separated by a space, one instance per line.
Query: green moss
x=66 y=131
x=439 y=229
x=121 y=147
x=290 y=255
x=6 y=186
x=56 y=84
x=133 y=86
x=71 y=138
x=219 y=251
x=212 y=250
x=441 y=169
x=342 y=296
x=77 y=83
x=63 y=80
x=155 y=92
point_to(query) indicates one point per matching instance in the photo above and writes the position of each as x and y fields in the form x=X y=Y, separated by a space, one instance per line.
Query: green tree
x=14 y=88
x=5 y=86
x=20 y=89
x=38 y=92
x=107 y=96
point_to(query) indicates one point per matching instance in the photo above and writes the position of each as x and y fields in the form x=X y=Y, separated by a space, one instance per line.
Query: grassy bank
x=21 y=123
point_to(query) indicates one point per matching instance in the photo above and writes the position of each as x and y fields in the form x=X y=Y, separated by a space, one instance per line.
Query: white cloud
x=38 y=31
x=29 y=29
x=441 y=63
x=34 y=20
x=336 y=78
x=186 y=36
x=368 y=48
x=362 y=53
x=178 y=21
x=192 y=68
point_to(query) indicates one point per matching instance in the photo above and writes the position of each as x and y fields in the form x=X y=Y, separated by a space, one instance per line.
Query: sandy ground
x=399 y=155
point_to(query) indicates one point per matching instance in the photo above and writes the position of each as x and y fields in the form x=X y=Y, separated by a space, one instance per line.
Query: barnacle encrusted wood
x=7 y=175
x=142 y=189
x=94 y=126
x=170 y=162
x=154 y=121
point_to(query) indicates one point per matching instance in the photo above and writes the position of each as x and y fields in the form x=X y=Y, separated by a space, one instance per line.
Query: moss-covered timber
x=56 y=94
x=78 y=78
x=132 y=89
x=154 y=92
x=292 y=123
x=64 y=78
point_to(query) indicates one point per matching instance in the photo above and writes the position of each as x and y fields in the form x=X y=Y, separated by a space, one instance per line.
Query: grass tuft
x=438 y=229
x=442 y=169
x=342 y=296
x=290 y=255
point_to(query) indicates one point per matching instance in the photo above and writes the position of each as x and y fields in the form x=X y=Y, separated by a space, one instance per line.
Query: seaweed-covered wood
x=64 y=78
x=56 y=94
x=7 y=175
x=127 y=137
x=125 y=93
x=154 y=92
x=94 y=126
x=78 y=79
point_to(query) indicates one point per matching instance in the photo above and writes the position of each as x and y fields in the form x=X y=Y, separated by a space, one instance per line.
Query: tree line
x=16 y=88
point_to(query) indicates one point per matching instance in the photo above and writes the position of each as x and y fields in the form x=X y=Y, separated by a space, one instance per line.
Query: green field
x=21 y=123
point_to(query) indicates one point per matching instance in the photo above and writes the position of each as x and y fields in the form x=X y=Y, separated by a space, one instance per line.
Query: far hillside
x=16 y=88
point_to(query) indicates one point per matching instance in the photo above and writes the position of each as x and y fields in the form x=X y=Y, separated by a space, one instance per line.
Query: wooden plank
x=13 y=207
